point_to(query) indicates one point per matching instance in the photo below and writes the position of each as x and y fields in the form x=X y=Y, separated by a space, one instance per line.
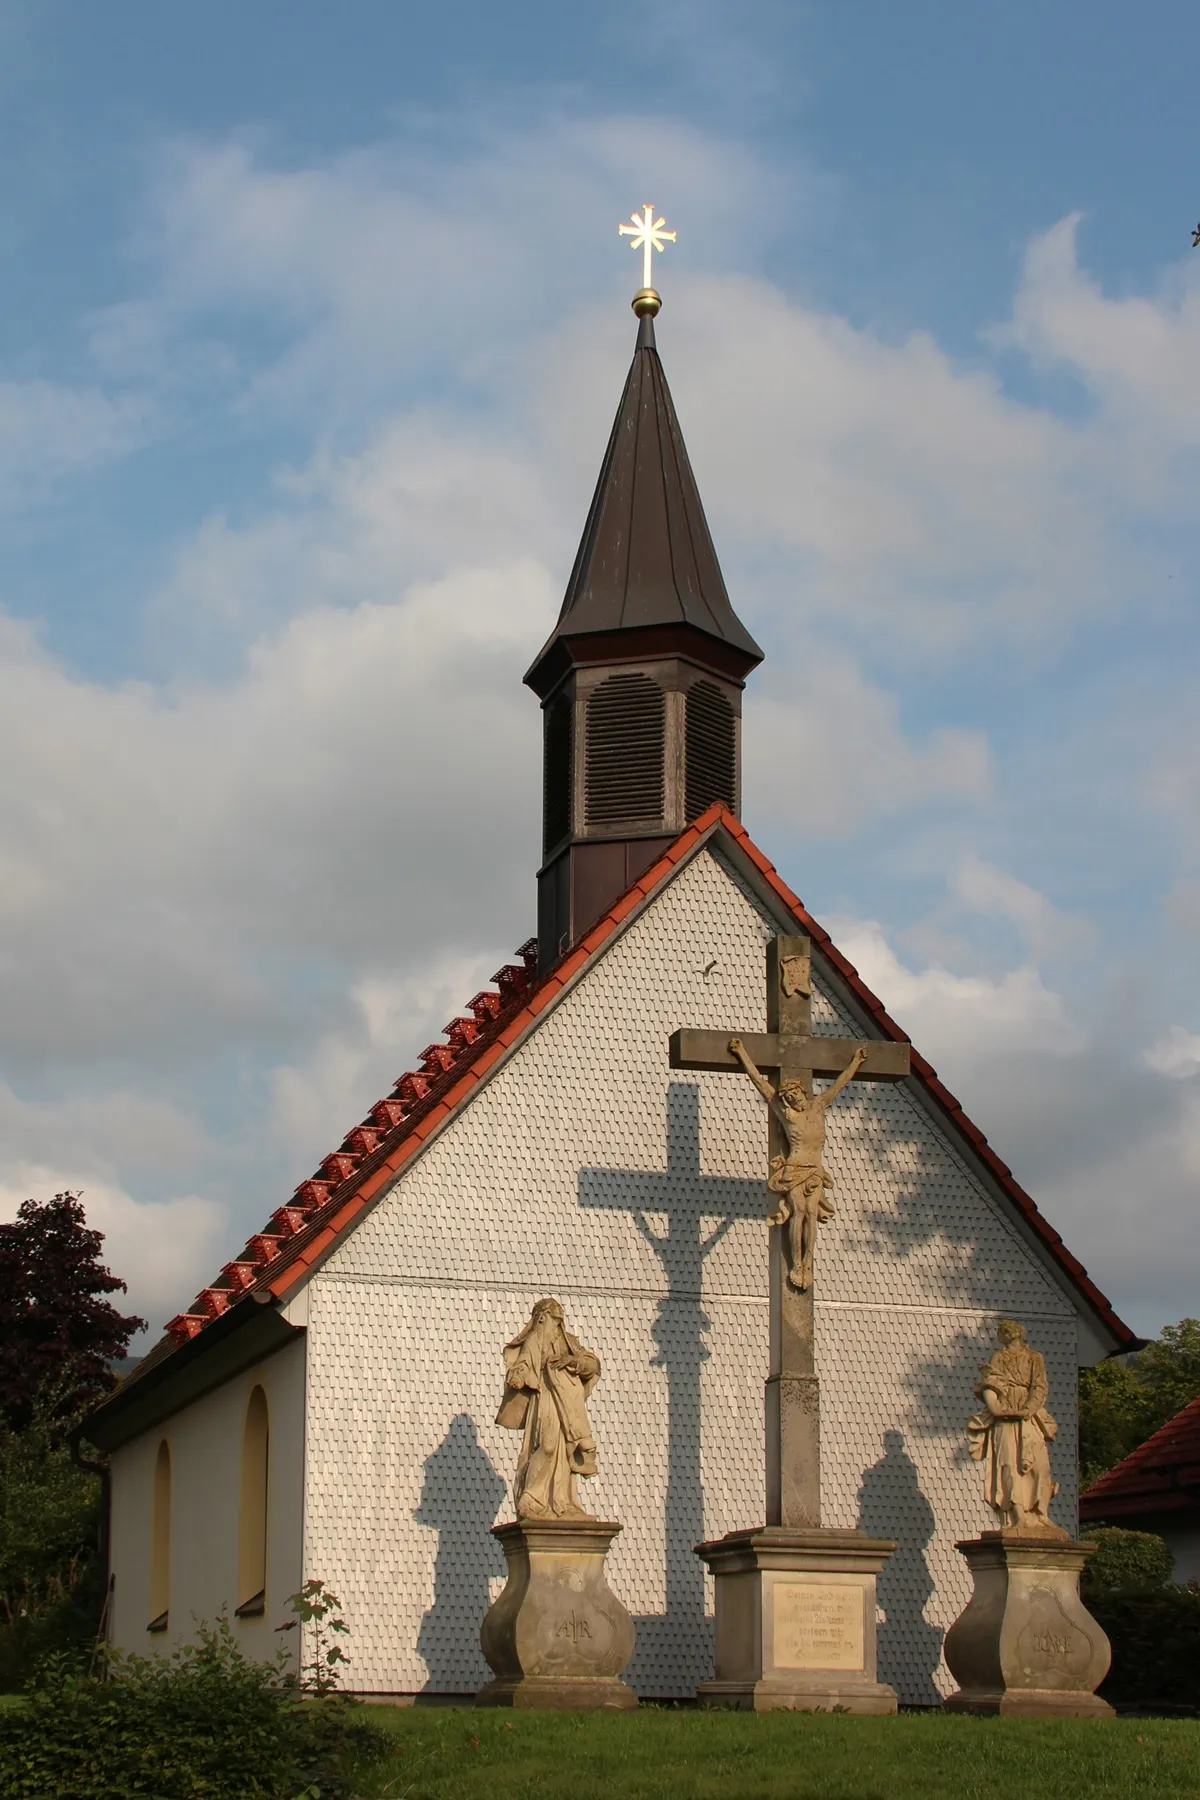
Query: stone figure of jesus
x=548 y=1376
x=1010 y=1434
x=799 y=1177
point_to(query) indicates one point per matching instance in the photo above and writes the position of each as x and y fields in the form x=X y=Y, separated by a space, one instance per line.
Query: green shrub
x=1125 y=1561
x=51 y=1583
x=64 y=1619
x=204 y=1723
x=1155 y=1639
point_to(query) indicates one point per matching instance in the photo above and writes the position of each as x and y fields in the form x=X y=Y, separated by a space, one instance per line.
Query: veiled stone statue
x=1011 y=1432
x=1025 y=1643
x=548 y=1378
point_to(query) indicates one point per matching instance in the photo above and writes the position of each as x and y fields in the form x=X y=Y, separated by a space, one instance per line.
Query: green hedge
x=1125 y=1561
x=1155 y=1637
x=205 y=1723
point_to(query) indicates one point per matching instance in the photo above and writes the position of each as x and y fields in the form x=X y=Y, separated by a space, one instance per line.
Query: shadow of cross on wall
x=698 y=1211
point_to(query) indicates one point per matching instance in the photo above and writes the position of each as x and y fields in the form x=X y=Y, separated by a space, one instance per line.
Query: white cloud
x=1176 y=1054
x=157 y=845
x=986 y=888
x=880 y=482
x=106 y=1130
x=833 y=756
x=1110 y=1156
x=1138 y=355
x=961 y=1017
x=315 y=1100
x=49 y=431
x=398 y=257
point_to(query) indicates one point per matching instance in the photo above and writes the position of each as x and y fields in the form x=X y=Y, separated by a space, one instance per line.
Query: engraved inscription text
x=818 y=1627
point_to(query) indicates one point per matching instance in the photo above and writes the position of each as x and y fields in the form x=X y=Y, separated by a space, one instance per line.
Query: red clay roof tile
x=397 y=1127
x=1161 y=1475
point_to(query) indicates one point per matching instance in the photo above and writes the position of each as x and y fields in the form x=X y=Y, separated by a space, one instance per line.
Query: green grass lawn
x=455 y=1752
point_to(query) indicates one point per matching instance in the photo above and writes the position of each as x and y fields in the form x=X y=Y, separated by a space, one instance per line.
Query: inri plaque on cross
x=792 y=1055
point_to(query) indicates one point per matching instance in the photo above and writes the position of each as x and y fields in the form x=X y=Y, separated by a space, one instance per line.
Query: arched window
x=160 y=1540
x=252 y=1519
x=710 y=756
x=626 y=743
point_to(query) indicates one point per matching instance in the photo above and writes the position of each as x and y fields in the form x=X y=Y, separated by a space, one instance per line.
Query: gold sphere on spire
x=646 y=303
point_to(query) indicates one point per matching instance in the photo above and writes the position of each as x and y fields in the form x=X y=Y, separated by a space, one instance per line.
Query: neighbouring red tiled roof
x=1161 y=1475
x=326 y=1205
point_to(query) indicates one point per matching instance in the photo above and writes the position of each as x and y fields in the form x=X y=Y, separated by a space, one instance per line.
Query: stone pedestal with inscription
x=1026 y=1644
x=796 y=1621
x=557 y=1637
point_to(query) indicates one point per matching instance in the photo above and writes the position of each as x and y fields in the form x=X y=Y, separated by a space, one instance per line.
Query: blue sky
x=312 y=324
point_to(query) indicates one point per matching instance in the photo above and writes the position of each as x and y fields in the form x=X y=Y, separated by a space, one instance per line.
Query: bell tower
x=641 y=679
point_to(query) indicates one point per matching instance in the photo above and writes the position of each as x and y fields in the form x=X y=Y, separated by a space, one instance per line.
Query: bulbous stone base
x=1025 y=1643
x=557 y=1637
x=796 y=1621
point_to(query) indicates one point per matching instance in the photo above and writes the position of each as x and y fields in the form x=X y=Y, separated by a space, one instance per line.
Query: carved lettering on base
x=817 y=1627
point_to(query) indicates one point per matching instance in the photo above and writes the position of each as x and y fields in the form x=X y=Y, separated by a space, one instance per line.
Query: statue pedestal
x=1026 y=1644
x=796 y=1621
x=557 y=1636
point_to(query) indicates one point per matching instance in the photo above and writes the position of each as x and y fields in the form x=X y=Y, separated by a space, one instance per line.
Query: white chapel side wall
x=205 y=1442
x=586 y=1169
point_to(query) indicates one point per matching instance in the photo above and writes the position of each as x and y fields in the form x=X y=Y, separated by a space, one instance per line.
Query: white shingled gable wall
x=584 y=1168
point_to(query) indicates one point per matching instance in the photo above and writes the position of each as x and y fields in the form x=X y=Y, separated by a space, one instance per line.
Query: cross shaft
x=789 y=1048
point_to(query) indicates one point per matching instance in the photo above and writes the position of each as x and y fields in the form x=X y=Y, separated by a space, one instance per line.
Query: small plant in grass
x=320 y=1624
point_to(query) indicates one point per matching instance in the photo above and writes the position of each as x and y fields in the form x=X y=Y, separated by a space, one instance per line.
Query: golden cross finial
x=647 y=234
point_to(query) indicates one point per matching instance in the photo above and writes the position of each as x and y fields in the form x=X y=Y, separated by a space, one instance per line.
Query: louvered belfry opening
x=626 y=751
x=558 y=772
x=710 y=749
x=641 y=677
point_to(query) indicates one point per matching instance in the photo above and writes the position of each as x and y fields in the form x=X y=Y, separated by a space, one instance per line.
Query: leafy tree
x=51 y=1577
x=53 y=1314
x=1114 y=1417
x=1124 y=1401
x=1169 y=1370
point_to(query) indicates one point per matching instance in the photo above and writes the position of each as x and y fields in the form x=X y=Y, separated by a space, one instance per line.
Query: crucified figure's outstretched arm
x=738 y=1049
x=845 y=1078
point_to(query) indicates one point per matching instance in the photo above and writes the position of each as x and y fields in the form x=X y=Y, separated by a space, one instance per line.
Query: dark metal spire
x=646 y=563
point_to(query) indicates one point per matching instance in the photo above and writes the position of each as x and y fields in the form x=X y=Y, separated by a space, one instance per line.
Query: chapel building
x=325 y=1409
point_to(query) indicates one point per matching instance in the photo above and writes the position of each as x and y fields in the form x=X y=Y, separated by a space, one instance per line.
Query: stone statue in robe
x=1011 y=1434
x=548 y=1377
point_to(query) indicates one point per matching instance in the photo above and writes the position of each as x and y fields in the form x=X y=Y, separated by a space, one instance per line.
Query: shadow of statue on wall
x=692 y=1212
x=460 y=1499
x=892 y=1505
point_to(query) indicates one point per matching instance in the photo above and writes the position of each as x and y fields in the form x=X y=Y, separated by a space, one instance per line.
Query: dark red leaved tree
x=56 y=1327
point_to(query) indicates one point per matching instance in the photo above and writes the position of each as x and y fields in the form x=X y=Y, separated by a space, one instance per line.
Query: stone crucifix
x=789 y=1052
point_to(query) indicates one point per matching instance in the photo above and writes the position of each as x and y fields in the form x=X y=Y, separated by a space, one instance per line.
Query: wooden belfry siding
x=626 y=744
x=557 y=772
x=710 y=750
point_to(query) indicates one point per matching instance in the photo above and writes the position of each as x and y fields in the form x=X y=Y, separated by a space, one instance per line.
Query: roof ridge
x=323 y=1208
